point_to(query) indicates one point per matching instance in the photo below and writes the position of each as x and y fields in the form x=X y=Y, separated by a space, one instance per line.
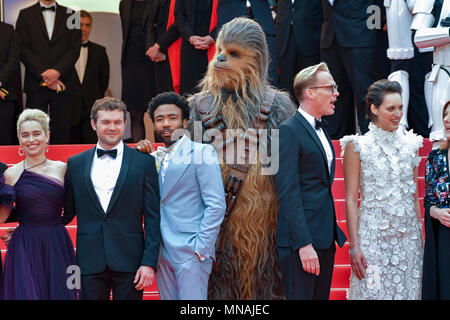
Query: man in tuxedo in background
x=348 y=46
x=298 y=26
x=93 y=78
x=49 y=50
x=260 y=11
x=307 y=228
x=9 y=67
x=113 y=189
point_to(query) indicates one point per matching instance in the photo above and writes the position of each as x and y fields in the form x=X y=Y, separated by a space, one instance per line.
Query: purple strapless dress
x=40 y=249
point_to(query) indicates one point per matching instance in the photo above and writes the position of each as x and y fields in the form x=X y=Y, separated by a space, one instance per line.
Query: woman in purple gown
x=40 y=249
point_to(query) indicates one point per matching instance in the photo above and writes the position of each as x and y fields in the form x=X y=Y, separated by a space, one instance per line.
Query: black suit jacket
x=115 y=239
x=306 y=19
x=347 y=21
x=227 y=10
x=95 y=80
x=38 y=53
x=125 y=8
x=306 y=214
x=9 y=58
x=158 y=32
x=185 y=19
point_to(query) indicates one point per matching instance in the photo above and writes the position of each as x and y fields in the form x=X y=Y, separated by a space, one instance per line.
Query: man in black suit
x=9 y=67
x=260 y=11
x=49 y=50
x=298 y=26
x=159 y=38
x=307 y=228
x=93 y=78
x=348 y=46
x=113 y=189
x=193 y=18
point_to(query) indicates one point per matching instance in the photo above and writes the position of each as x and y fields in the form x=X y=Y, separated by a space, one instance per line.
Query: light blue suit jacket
x=192 y=202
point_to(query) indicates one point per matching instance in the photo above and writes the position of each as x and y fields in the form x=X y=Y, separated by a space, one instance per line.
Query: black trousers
x=98 y=286
x=7 y=122
x=352 y=70
x=57 y=105
x=301 y=285
x=81 y=131
x=292 y=62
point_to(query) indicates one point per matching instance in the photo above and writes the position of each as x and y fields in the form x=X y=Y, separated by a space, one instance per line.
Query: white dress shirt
x=321 y=134
x=331 y=2
x=80 y=65
x=168 y=156
x=49 y=19
x=104 y=174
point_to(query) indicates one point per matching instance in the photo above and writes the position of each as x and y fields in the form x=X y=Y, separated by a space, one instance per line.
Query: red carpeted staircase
x=339 y=286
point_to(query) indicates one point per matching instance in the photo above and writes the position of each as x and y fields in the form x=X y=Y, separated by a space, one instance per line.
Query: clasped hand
x=201 y=43
x=155 y=54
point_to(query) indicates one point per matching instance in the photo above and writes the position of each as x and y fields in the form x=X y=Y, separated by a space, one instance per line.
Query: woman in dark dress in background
x=436 y=264
x=138 y=78
x=40 y=249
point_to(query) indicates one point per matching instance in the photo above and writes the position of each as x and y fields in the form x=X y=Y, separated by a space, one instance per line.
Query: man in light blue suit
x=192 y=202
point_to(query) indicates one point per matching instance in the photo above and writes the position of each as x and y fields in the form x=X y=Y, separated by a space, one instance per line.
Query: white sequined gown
x=389 y=233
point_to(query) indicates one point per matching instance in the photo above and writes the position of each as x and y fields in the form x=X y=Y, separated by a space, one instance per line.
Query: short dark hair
x=108 y=104
x=85 y=14
x=169 y=98
x=376 y=93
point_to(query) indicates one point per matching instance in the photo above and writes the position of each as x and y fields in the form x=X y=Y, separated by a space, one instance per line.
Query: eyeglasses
x=333 y=87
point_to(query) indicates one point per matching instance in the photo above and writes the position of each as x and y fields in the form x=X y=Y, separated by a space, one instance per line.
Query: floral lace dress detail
x=389 y=233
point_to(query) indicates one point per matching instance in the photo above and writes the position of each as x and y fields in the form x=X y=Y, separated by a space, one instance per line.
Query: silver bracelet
x=353 y=251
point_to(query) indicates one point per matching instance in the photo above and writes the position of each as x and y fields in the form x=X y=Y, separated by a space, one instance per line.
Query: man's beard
x=167 y=141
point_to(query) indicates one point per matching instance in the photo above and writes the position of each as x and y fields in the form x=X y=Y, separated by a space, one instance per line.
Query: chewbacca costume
x=235 y=95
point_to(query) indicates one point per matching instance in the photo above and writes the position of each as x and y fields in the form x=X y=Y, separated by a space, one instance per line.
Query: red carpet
x=9 y=155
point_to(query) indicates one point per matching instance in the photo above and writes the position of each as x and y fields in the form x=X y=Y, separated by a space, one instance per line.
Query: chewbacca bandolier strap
x=239 y=168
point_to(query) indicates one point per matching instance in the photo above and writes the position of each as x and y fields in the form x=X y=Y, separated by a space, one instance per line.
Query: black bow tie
x=320 y=124
x=227 y=92
x=52 y=8
x=84 y=45
x=112 y=153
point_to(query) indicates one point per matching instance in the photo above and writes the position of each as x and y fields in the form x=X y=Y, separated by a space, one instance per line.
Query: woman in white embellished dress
x=385 y=232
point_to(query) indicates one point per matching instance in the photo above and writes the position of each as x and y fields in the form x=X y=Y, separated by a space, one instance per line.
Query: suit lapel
x=88 y=181
x=60 y=20
x=89 y=60
x=333 y=163
x=122 y=176
x=39 y=18
x=176 y=169
x=314 y=136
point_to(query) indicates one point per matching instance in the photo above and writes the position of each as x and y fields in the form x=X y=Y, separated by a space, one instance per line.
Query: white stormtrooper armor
x=399 y=18
x=437 y=83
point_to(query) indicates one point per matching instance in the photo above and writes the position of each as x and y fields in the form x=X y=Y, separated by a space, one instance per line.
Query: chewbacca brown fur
x=246 y=266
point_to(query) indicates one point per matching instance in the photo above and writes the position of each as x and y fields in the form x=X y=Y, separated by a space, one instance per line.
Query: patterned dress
x=389 y=232
x=436 y=265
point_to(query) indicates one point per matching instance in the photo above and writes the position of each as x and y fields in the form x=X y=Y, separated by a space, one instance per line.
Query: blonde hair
x=306 y=78
x=34 y=115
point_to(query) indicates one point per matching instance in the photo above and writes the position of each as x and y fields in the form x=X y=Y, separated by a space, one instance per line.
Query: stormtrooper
x=399 y=16
x=434 y=34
